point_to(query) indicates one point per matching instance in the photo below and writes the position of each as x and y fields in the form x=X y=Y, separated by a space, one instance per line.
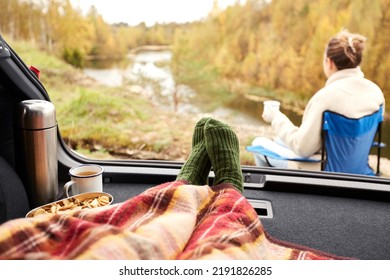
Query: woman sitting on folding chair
x=346 y=92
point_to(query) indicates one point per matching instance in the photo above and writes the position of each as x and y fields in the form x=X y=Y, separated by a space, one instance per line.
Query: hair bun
x=346 y=49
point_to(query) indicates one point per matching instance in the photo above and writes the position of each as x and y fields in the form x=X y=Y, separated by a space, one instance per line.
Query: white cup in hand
x=271 y=107
x=85 y=178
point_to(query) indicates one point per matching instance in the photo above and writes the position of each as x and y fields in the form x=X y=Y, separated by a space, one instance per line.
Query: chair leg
x=378 y=172
x=269 y=164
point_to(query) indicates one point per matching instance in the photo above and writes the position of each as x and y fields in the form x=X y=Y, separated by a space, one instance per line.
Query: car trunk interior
x=340 y=214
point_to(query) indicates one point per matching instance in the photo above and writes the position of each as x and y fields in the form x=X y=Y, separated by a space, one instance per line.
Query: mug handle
x=67 y=186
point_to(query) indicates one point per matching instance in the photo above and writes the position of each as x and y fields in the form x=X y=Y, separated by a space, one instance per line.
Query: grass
x=30 y=54
x=113 y=119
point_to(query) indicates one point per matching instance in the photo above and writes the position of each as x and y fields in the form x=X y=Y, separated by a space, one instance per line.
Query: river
x=148 y=73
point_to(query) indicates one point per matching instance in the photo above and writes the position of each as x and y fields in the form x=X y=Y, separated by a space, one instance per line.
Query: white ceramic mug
x=85 y=178
x=271 y=104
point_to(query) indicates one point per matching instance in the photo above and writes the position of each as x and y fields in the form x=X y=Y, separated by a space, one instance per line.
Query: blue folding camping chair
x=346 y=143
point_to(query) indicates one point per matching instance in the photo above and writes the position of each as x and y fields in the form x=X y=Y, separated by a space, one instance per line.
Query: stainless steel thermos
x=38 y=150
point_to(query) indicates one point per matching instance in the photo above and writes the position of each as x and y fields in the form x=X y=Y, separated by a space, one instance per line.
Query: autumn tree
x=279 y=45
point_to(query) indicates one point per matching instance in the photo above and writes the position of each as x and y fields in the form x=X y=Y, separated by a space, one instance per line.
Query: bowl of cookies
x=81 y=201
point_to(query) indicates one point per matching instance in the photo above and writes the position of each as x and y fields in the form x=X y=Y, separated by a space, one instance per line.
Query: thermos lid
x=37 y=114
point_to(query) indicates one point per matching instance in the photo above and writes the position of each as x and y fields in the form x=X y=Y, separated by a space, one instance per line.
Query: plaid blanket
x=170 y=221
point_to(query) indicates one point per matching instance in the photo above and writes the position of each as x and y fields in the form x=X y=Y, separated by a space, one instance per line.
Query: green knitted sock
x=223 y=148
x=197 y=167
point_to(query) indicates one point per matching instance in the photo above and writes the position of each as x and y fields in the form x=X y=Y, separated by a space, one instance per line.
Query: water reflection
x=138 y=69
x=111 y=77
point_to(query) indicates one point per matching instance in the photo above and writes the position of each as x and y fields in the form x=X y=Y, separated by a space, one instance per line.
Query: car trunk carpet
x=174 y=220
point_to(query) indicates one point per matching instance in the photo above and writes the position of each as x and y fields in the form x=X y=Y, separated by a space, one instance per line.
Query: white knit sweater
x=346 y=92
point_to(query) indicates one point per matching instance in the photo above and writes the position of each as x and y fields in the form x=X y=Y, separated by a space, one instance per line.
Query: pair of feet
x=214 y=144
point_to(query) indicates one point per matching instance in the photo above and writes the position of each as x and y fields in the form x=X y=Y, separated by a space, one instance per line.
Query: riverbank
x=159 y=134
x=121 y=123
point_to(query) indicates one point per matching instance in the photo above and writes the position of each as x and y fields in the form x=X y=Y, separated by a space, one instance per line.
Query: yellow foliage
x=277 y=45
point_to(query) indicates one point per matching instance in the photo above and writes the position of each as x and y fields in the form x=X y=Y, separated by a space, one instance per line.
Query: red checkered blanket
x=170 y=221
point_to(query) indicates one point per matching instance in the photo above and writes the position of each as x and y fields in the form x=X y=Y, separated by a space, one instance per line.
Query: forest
x=272 y=45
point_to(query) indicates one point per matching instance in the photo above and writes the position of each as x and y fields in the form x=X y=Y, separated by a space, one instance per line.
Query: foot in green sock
x=197 y=167
x=223 y=149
